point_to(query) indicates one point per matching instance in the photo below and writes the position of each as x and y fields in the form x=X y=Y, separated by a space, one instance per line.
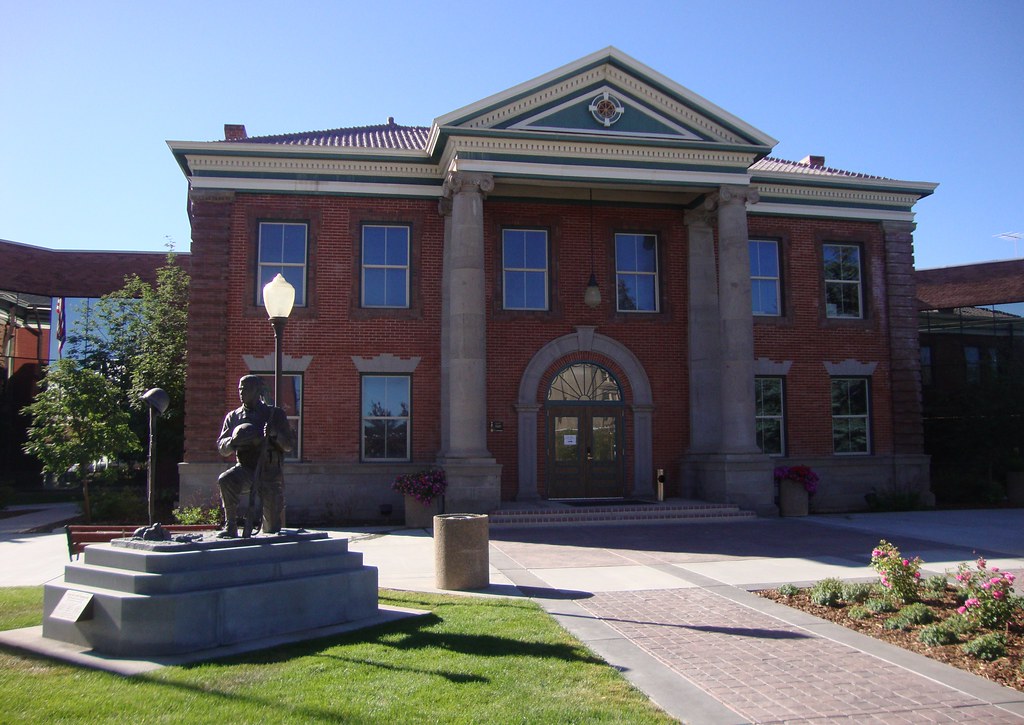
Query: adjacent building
x=553 y=293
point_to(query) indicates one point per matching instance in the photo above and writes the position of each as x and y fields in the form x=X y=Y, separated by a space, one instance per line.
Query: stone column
x=703 y=334
x=444 y=209
x=737 y=320
x=473 y=475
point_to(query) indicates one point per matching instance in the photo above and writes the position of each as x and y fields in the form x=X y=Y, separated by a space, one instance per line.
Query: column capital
x=699 y=217
x=444 y=206
x=468 y=181
x=731 y=194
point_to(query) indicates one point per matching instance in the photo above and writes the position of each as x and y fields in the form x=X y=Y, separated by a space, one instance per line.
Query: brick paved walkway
x=768 y=671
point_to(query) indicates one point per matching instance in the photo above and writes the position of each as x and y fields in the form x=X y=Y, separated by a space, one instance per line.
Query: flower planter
x=421 y=515
x=1015 y=488
x=793 y=498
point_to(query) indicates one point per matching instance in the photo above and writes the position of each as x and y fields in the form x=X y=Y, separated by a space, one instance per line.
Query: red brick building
x=748 y=311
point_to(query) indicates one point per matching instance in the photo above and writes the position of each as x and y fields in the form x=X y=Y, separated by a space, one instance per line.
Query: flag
x=61 y=330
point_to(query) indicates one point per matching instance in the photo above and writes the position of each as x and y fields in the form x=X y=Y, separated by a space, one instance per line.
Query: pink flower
x=961 y=610
x=917 y=575
x=997 y=594
x=906 y=562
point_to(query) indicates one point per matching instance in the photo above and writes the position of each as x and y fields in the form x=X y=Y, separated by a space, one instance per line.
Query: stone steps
x=554 y=513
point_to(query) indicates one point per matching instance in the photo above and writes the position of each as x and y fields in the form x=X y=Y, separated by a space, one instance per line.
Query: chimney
x=234 y=132
x=806 y=160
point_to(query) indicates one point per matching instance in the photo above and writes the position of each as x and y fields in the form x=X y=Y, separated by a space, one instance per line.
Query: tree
x=78 y=417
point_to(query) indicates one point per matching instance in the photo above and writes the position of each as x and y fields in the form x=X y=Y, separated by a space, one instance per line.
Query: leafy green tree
x=78 y=417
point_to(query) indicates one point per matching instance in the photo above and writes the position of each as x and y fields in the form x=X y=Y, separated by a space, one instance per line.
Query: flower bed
x=972 y=621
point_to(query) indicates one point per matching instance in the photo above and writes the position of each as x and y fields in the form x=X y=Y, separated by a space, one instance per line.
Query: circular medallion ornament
x=606 y=109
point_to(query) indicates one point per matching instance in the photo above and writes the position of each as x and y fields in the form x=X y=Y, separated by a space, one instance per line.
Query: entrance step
x=557 y=513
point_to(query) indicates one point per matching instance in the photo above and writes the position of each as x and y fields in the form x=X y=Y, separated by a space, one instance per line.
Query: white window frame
x=506 y=270
x=759 y=416
x=619 y=274
x=273 y=268
x=776 y=279
x=865 y=416
x=364 y=418
x=404 y=267
x=859 y=282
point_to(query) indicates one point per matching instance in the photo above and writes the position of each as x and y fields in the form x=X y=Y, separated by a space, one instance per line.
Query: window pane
x=374 y=394
x=397 y=246
x=373 y=245
x=769 y=436
x=396 y=445
x=763 y=297
x=296 y=277
x=626 y=286
x=645 y=293
x=271 y=236
x=769 y=396
x=398 y=395
x=513 y=249
x=373 y=439
x=294 y=244
x=646 y=254
x=535 y=297
x=536 y=255
x=515 y=290
x=374 y=288
x=625 y=253
x=767 y=259
x=394 y=280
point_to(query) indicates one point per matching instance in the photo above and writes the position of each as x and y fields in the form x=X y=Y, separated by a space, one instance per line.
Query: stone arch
x=528 y=405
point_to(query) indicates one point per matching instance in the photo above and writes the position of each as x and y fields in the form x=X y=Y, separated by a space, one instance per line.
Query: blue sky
x=914 y=90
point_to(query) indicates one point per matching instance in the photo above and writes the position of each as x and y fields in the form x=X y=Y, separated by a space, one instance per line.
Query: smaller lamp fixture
x=278 y=297
x=157 y=399
x=592 y=295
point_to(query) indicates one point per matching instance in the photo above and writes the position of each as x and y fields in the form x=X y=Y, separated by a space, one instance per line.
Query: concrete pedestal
x=461 y=559
x=139 y=599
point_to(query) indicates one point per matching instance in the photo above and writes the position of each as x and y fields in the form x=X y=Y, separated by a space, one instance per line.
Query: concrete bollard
x=461 y=560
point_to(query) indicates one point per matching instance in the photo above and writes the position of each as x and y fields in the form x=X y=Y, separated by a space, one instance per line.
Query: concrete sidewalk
x=671 y=607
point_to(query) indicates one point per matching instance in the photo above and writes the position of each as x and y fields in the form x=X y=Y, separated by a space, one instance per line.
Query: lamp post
x=157 y=399
x=278 y=298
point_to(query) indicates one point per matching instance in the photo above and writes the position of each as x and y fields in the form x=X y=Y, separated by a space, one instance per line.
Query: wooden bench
x=81 y=535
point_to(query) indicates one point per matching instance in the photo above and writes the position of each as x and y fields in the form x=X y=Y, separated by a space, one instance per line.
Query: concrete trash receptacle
x=461 y=560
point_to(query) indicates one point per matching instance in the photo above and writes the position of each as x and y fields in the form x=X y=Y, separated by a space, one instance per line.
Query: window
x=524 y=254
x=385 y=266
x=636 y=272
x=282 y=249
x=843 y=297
x=972 y=363
x=769 y=415
x=850 y=415
x=926 y=365
x=386 y=416
x=764 y=276
x=291 y=402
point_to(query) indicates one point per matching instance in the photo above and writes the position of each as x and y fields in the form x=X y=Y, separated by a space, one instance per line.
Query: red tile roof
x=990 y=283
x=383 y=136
x=770 y=163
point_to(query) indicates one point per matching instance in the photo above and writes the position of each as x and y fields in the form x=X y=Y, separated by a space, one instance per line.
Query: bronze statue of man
x=258 y=435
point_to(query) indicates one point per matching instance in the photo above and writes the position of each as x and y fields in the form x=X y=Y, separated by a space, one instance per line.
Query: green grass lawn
x=473 y=660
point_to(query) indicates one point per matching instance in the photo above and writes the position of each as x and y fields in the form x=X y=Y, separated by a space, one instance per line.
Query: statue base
x=133 y=598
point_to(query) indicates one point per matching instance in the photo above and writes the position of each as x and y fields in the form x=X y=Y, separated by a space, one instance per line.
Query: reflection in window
x=291 y=403
x=385 y=266
x=584 y=381
x=636 y=272
x=764 y=276
x=386 y=416
x=927 y=372
x=282 y=250
x=850 y=415
x=524 y=254
x=769 y=415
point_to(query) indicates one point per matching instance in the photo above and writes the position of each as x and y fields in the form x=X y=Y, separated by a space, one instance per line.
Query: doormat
x=604 y=502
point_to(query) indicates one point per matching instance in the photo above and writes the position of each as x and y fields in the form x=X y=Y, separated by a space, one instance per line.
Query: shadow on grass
x=457 y=678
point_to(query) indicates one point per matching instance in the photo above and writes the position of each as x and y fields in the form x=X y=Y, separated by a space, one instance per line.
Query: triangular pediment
x=607 y=94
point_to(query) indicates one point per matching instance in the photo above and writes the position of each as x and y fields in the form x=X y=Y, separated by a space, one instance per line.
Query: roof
x=388 y=135
x=770 y=163
x=971 y=285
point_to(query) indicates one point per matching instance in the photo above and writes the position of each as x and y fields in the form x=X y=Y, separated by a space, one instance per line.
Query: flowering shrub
x=800 y=474
x=899 y=575
x=988 y=595
x=423 y=486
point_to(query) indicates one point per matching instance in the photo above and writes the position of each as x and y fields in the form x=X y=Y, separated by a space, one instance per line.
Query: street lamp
x=157 y=399
x=278 y=298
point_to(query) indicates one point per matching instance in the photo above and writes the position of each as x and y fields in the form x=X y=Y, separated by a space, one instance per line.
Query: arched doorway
x=585 y=451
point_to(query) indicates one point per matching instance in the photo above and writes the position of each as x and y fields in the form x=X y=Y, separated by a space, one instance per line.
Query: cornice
x=271 y=166
x=815 y=194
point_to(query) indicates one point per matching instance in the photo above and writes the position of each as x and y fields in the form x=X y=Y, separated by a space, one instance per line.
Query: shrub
x=856 y=593
x=878 y=605
x=899 y=575
x=119 y=504
x=935 y=584
x=827 y=592
x=959 y=624
x=788 y=590
x=917 y=613
x=936 y=635
x=988 y=595
x=987 y=647
x=197 y=515
x=858 y=611
x=897 y=622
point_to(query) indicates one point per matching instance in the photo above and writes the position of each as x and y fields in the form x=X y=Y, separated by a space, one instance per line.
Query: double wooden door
x=585 y=451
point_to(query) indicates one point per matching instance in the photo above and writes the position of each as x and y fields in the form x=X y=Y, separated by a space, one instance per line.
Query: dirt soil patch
x=1006 y=670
